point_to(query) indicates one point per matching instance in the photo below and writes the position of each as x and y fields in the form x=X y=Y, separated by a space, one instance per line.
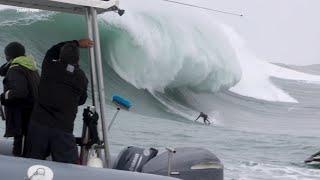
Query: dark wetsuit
x=205 y=118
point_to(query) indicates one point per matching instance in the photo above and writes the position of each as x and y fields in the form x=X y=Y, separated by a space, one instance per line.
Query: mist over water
x=171 y=67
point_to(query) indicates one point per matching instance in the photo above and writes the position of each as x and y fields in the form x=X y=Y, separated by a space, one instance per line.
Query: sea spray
x=156 y=52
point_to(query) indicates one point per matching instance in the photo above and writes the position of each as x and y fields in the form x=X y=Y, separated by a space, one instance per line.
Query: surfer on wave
x=204 y=117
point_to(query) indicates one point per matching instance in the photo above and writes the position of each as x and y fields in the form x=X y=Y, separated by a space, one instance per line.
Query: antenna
x=204 y=8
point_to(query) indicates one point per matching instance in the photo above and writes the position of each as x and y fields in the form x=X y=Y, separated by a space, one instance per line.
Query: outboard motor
x=133 y=158
x=187 y=164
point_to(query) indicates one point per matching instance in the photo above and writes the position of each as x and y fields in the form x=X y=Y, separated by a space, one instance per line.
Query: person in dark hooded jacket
x=63 y=87
x=21 y=80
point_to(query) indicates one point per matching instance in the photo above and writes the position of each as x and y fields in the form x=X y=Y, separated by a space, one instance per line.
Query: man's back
x=62 y=89
x=23 y=82
x=20 y=87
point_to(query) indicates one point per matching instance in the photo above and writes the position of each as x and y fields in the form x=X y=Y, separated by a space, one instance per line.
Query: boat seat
x=6 y=147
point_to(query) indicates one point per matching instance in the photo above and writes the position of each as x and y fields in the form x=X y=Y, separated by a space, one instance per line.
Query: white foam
x=165 y=51
x=3 y=7
x=174 y=49
x=253 y=171
x=19 y=9
x=24 y=16
x=256 y=73
x=176 y=108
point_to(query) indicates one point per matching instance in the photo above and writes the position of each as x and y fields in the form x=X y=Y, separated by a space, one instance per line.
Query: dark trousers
x=43 y=141
x=19 y=146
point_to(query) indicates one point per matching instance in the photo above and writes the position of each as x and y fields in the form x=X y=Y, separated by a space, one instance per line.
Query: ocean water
x=265 y=116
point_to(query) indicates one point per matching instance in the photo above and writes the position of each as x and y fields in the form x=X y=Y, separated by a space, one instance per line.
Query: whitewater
x=200 y=54
x=172 y=64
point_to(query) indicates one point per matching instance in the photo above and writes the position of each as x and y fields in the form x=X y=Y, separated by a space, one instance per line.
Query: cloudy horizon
x=282 y=31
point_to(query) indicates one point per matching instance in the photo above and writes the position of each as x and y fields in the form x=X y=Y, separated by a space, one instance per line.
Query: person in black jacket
x=20 y=92
x=63 y=87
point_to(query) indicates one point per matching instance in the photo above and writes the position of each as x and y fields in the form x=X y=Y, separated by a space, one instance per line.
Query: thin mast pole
x=92 y=62
x=85 y=131
x=97 y=50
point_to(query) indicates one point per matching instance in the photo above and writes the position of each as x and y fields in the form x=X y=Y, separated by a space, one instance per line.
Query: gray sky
x=286 y=31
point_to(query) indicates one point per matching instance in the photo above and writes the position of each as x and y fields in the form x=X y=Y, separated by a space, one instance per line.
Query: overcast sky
x=286 y=31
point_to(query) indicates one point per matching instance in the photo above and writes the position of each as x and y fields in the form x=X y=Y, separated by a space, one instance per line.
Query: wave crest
x=156 y=51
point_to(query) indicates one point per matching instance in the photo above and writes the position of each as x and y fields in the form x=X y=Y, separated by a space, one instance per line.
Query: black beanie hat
x=14 y=50
x=70 y=54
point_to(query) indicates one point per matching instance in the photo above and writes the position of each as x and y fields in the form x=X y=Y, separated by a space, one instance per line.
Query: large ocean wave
x=159 y=51
x=154 y=51
x=182 y=64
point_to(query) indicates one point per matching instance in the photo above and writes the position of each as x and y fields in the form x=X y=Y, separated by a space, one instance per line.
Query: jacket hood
x=25 y=61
